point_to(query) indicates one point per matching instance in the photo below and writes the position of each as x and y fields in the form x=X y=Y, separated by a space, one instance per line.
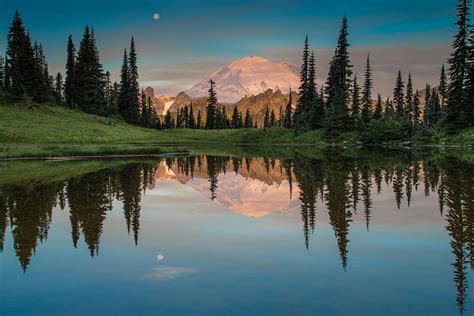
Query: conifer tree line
x=345 y=103
x=24 y=76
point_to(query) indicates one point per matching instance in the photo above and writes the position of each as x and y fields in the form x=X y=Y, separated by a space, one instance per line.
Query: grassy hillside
x=47 y=125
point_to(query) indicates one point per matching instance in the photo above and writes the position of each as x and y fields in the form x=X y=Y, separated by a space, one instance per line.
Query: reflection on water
x=343 y=185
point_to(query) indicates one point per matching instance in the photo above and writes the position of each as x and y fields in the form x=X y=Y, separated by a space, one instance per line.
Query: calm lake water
x=307 y=232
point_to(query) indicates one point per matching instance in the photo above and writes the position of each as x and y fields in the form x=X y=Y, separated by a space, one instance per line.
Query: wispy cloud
x=163 y=273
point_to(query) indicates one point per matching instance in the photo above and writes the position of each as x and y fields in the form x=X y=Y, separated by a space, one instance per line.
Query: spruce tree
x=2 y=73
x=469 y=111
x=338 y=86
x=389 y=112
x=266 y=119
x=191 y=120
x=399 y=96
x=409 y=100
x=355 y=109
x=416 y=108
x=443 y=86
x=316 y=110
x=302 y=113
x=288 y=123
x=169 y=123
x=199 y=121
x=22 y=74
x=378 y=111
x=90 y=83
x=248 y=120
x=123 y=99
x=272 y=119
x=367 y=92
x=235 y=118
x=59 y=89
x=458 y=69
x=211 y=108
x=133 y=83
x=69 y=84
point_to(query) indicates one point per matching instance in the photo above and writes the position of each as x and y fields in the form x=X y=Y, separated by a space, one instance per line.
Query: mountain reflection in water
x=343 y=186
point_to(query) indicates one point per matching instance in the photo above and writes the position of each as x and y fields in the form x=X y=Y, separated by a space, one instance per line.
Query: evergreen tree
x=458 y=69
x=416 y=108
x=42 y=88
x=378 y=111
x=123 y=99
x=108 y=93
x=21 y=74
x=301 y=121
x=389 y=112
x=144 y=114
x=338 y=84
x=316 y=110
x=409 y=101
x=2 y=73
x=191 y=121
x=367 y=92
x=288 y=123
x=248 y=119
x=266 y=119
x=59 y=89
x=211 y=108
x=399 y=96
x=169 y=122
x=133 y=83
x=89 y=77
x=235 y=118
x=469 y=111
x=443 y=86
x=199 y=121
x=356 y=113
x=69 y=84
x=272 y=119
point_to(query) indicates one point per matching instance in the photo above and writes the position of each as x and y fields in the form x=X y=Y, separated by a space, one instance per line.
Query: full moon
x=160 y=257
x=156 y=16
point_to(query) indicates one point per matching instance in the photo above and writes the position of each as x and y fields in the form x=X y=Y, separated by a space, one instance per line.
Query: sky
x=193 y=38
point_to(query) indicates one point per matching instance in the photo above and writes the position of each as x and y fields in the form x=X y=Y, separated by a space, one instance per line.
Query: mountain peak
x=248 y=76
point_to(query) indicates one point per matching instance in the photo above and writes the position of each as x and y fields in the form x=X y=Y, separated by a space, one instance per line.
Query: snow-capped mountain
x=246 y=77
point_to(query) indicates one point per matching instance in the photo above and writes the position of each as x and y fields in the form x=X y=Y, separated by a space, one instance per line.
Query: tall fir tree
x=409 y=101
x=235 y=117
x=69 y=83
x=443 y=86
x=316 y=110
x=367 y=92
x=133 y=83
x=191 y=119
x=59 y=89
x=266 y=118
x=124 y=99
x=272 y=119
x=355 y=108
x=378 y=111
x=211 y=108
x=338 y=87
x=416 y=108
x=248 y=119
x=199 y=124
x=469 y=111
x=89 y=80
x=288 y=123
x=458 y=69
x=2 y=73
x=21 y=74
x=399 y=96
x=301 y=117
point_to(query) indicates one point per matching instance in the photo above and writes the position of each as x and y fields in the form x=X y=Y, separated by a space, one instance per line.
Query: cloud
x=163 y=273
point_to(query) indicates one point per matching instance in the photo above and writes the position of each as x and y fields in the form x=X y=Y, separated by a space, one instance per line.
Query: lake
x=279 y=231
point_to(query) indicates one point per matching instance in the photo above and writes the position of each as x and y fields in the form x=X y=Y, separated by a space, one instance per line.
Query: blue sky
x=193 y=38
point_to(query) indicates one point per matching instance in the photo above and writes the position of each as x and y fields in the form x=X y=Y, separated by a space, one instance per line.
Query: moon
x=156 y=16
x=160 y=257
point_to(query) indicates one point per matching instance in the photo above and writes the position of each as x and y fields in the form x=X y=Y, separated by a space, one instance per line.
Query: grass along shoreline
x=31 y=130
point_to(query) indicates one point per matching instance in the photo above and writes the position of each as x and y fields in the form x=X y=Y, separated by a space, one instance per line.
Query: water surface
x=327 y=232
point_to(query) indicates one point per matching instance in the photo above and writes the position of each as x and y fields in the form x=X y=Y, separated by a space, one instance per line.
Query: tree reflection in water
x=342 y=183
